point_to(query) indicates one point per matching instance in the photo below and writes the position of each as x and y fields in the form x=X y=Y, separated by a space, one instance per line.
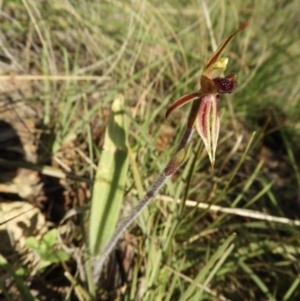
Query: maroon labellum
x=225 y=84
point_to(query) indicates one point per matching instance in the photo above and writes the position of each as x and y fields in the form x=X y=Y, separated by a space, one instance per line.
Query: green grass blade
x=259 y=282
x=295 y=285
x=24 y=291
x=203 y=273
x=110 y=181
x=217 y=266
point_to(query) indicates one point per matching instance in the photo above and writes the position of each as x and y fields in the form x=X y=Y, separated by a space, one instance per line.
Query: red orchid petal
x=203 y=123
x=208 y=124
x=215 y=129
x=223 y=46
x=225 y=84
x=181 y=101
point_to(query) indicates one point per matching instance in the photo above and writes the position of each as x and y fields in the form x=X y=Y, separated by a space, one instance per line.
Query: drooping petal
x=181 y=101
x=225 y=84
x=213 y=62
x=215 y=129
x=203 y=123
x=208 y=124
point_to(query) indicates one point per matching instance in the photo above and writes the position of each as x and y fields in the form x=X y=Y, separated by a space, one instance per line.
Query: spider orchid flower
x=204 y=114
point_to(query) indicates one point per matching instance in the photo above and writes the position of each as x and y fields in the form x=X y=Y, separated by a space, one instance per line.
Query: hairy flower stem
x=126 y=222
x=178 y=158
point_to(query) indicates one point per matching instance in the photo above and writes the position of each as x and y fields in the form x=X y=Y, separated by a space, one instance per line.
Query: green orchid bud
x=178 y=159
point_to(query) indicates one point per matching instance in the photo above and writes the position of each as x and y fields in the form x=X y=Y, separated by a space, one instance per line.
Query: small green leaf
x=43 y=264
x=45 y=249
x=50 y=238
x=47 y=242
x=32 y=243
x=57 y=256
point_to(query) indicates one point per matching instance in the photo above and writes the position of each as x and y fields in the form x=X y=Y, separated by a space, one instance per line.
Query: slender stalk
x=126 y=222
x=178 y=158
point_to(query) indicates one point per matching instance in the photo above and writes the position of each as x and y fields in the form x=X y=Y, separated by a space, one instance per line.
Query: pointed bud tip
x=244 y=25
x=211 y=160
x=178 y=159
x=167 y=115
